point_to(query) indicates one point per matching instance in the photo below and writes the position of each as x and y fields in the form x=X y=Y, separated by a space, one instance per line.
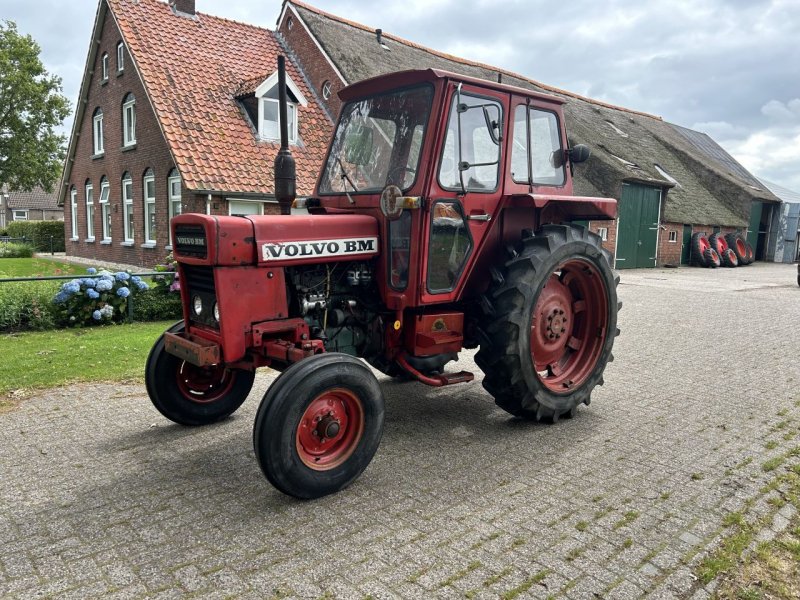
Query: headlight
x=197 y=305
x=216 y=311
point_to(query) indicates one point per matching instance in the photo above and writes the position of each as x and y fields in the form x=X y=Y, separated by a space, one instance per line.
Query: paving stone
x=125 y=503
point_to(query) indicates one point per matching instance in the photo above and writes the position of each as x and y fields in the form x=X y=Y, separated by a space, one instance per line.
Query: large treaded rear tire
x=568 y=259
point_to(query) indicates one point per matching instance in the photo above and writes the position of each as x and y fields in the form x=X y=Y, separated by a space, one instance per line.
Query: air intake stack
x=284 y=162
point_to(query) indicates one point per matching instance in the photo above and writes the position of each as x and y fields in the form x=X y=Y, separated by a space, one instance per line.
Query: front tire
x=191 y=395
x=552 y=323
x=319 y=425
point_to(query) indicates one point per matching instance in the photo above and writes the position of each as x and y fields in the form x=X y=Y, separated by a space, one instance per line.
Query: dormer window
x=268 y=109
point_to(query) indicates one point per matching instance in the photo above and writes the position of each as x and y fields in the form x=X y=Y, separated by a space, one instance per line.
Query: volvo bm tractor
x=442 y=220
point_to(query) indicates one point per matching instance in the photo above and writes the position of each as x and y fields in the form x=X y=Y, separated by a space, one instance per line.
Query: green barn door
x=755 y=221
x=637 y=238
x=686 y=248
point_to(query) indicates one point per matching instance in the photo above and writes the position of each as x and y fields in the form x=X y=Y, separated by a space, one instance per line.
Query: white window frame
x=673 y=234
x=15 y=215
x=174 y=200
x=129 y=122
x=89 y=212
x=258 y=203
x=73 y=212
x=104 y=67
x=120 y=57
x=149 y=204
x=262 y=90
x=127 y=215
x=603 y=233
x=99 y=145
x=105 y=210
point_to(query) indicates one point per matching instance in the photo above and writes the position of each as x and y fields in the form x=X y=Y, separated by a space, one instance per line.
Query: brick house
x=35 y=205
x=670 y=181
x=177 y=113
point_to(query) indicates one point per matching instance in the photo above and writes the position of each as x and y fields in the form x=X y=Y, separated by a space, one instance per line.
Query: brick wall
x=150 y=152
x=308 y=55
x=610 y=243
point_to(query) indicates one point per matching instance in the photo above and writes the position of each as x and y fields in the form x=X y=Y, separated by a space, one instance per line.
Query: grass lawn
x=55 y=358
x=37 y=267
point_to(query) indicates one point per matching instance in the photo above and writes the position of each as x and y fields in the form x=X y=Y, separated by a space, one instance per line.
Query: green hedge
x=155 y=305
x=27 y=305
x=8 y=250
x=39 y=232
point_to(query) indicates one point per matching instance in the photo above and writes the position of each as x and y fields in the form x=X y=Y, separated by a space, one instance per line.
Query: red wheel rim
x=569 y=326
x=741 y=249
x=704 y=244
x=715 y=256
x=204 y=385
x=330 y=429
x=722 y=245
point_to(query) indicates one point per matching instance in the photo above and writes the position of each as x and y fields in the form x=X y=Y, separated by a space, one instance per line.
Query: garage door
x=637 y=237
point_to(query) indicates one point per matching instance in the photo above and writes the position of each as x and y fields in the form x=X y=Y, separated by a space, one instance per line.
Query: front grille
x=190 y=240
x=199 y=281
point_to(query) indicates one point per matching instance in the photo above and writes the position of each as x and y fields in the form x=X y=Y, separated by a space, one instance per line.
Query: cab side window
x=543 y=148
x=473 y=157
x=450 y=246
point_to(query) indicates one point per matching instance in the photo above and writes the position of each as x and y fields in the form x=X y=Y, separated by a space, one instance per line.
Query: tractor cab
x=437 y=157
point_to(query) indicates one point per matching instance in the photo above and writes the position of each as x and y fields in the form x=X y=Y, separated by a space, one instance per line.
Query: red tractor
x=441 y=221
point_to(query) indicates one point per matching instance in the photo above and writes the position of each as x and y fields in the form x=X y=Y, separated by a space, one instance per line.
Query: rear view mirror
x=579 y=153
x=358 y=145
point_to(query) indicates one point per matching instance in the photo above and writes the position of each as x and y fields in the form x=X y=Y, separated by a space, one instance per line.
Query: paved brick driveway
x=100 y=496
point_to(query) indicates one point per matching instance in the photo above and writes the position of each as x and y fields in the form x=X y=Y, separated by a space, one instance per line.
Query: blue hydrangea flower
x=104 y=285
x=123 y=292
x=88 y=282
x=140 y=285
x=122 y=276
x=73 y=286
x=61 y=297
x=107 y=311
x=91 y=271
x=92 y=294
x=97 y=315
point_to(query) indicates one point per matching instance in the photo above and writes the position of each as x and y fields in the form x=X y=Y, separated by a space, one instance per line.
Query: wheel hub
x=330 y=429
x=556 y=324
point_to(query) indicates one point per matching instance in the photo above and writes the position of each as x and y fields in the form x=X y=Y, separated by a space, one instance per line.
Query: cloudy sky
x=730 y=68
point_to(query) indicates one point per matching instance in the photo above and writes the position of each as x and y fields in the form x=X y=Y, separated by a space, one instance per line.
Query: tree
x=31 y=107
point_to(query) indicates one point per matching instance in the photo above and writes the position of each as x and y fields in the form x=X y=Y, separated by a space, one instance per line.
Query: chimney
x=185 y=7
x=379 y=36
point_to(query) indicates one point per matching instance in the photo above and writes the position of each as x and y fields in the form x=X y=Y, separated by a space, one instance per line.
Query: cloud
x=778 y=111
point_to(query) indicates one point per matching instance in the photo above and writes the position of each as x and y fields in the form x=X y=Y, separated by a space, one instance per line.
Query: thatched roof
x=709 y=190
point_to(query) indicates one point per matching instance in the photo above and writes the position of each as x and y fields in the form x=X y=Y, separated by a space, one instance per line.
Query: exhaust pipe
x=285 y=177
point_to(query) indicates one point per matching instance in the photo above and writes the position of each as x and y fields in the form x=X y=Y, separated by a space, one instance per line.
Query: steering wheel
x=399 y=171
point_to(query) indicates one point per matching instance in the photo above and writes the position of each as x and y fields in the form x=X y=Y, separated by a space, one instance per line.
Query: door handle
x=639 y=243
x=483 y=217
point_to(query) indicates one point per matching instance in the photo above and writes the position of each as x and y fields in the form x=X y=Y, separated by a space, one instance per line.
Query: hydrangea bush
x=168 y=283
x=101 y=299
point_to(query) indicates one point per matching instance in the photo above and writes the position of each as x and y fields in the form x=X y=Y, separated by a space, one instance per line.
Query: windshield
x=378 y=143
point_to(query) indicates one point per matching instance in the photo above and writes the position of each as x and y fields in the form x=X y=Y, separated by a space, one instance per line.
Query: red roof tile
x=192 y=69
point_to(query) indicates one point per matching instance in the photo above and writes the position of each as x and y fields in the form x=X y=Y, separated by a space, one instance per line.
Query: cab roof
x=390 y=81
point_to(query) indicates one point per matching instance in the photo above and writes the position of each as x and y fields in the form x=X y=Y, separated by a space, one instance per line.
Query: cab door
x=466 y=189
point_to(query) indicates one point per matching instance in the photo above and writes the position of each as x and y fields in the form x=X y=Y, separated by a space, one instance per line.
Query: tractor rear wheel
x=552 y=320
x=319 y=425
x=191 y=395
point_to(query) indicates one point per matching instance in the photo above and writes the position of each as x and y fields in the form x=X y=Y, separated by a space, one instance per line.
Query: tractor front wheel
x=552 y=320
x=319 y=425
x=191 y=395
